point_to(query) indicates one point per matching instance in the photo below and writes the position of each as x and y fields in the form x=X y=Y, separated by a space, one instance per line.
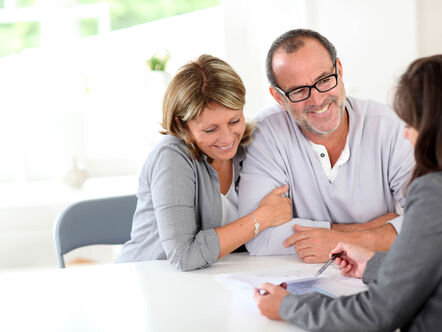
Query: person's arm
x=376 y=222
x=373 y=266
x=273 y=210
x=409 y=276
x=271 y=241
x=375 y=235
x=313 y=245
x=262 y=171
x=172 y=182
x=173 y=196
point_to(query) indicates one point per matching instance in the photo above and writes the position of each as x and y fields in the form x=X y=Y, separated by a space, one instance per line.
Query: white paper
x=340 y=286
x=299 y=280
x=256 y=278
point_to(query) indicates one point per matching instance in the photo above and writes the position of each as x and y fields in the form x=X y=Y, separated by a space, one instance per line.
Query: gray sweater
x=405 y=285
x=179 y=205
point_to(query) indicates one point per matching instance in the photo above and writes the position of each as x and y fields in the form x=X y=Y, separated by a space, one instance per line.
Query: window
x=67 y=97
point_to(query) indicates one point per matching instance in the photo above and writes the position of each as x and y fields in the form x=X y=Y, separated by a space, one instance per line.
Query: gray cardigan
x=405 y=288
x=179 y=205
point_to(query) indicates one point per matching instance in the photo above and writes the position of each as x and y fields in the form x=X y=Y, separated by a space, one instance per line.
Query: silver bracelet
x=256 y=224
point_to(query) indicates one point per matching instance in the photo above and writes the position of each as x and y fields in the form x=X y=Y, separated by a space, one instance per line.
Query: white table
x=147 y=296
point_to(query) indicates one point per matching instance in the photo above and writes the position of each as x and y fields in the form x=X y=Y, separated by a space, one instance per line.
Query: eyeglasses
x=303 y=92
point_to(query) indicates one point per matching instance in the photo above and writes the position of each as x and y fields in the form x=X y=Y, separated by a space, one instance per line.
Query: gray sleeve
x=405 y=280
x=372 y=268
x=173 y=195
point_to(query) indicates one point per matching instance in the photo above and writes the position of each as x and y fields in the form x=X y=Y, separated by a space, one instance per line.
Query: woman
x=187 y=198
x=405 y=284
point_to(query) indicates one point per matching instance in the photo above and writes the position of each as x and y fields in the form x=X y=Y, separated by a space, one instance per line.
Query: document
x=299 y=280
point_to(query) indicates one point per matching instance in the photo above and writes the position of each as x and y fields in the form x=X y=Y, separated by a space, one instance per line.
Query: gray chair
x=97 y=221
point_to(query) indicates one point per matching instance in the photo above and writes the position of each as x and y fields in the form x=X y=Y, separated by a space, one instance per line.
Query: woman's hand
x=274 y=209
x=354 y=259
x=269 y=302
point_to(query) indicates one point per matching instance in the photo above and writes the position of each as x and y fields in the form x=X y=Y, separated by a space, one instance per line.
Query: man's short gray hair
x=290 y=42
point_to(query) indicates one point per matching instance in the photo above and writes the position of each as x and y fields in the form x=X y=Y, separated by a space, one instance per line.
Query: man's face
x=321 y=113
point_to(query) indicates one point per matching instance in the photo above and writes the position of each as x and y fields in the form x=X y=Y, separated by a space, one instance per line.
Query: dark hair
x=418 y=101
x=291 y=41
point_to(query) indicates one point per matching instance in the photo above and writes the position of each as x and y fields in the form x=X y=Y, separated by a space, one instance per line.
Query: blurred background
x=80 y=104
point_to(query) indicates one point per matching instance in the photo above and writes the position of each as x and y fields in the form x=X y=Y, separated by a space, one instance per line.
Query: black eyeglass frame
x=310 y=87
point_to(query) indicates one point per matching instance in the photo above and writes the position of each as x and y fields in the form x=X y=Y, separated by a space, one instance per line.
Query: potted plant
x=158 y=62
x=157 y=79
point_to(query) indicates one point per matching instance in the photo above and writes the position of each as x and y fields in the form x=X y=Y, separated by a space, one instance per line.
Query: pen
x=326 y=265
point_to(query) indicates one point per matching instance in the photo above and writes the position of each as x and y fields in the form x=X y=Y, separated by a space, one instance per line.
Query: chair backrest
x=97 y=221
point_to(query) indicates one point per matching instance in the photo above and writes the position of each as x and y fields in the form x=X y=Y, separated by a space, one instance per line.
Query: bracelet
x=256 y=224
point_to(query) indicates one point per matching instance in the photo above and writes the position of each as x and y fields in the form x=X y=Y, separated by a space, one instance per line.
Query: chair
x=97 y=221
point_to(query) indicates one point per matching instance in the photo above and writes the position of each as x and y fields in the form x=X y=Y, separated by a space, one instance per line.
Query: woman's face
x=411 y=134
x=218 y=131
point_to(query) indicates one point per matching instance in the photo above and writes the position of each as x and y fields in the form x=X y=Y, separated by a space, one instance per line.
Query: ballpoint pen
x=326 y=265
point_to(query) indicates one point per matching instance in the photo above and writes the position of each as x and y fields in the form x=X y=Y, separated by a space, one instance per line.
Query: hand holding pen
x=328 y=263
x=351 y=259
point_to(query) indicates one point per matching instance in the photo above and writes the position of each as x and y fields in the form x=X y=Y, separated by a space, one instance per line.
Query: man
x=344 y=159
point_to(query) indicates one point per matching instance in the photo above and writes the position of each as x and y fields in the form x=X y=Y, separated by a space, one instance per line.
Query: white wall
x=429 y=27
x=250 y=28
x=375 y=40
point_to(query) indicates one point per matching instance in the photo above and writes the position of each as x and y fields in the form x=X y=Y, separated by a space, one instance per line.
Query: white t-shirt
x=229 y=203
x=324 y=160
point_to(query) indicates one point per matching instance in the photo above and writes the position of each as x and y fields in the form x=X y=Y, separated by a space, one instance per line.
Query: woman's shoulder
x=430 y=184
x=425 y=193
x=170 y=145
x=169 y=153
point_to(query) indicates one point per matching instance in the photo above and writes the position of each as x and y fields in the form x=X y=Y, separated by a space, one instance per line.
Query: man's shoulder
x=368 y=108
x=269 y=113
x=273 y=122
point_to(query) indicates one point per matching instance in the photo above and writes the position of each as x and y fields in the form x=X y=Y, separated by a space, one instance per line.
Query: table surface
x=144 y=296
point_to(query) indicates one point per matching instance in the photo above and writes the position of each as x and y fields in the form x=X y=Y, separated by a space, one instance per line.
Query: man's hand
x=313 y=245
x=269 y=302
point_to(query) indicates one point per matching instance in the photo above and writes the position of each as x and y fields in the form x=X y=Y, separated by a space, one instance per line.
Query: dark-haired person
x=187 y=208
x=344 y=158
x=405 y=284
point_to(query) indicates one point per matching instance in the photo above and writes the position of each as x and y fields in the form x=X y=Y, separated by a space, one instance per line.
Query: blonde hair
x=196 y=85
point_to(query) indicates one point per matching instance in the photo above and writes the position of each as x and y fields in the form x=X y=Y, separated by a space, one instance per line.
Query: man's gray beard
x=308 y=127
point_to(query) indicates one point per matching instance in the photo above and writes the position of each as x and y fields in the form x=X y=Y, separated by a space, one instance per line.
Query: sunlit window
x=20 y=19
x=75 y=85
